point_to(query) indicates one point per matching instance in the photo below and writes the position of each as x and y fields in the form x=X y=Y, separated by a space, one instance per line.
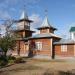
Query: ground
x=40 y=67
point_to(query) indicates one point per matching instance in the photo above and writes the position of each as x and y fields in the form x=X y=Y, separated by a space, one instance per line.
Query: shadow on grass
x=50 y=72
x=5 y=73
x=11 y=65
x=17 y=61
x=27 y=68
x=22 y=68
x=53 y=72
x=72 y=72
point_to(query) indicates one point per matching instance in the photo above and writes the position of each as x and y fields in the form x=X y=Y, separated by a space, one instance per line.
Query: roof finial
x=24 y=13
x=46 y=12
x=24 y=8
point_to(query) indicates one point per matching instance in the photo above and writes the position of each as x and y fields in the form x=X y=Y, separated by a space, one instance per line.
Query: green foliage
x=3 y=61
x=11 y=58
x=6 y=60
x=7 y=43
x=3 y=58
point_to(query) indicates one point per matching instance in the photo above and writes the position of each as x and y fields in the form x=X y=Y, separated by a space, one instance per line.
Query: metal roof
x=45 y=35
x=24 y=15
x=72 y=29
x=65 y=41
x=46 y=24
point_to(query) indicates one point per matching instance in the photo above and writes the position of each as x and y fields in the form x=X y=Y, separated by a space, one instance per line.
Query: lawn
x=40 y=67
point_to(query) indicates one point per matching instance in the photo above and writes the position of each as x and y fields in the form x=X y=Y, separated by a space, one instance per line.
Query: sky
x=61 y=13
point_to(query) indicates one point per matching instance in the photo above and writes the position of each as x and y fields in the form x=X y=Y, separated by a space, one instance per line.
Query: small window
x=38 y=45
x=63 y=48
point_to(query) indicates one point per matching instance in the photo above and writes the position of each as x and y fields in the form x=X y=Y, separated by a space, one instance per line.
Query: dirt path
x=34 y=67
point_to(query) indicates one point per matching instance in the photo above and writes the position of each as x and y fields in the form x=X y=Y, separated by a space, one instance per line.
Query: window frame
x=38 y=45
x=63 y=48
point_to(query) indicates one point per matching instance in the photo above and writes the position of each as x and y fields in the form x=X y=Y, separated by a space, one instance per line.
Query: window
x=38 y=45
x=64 y=48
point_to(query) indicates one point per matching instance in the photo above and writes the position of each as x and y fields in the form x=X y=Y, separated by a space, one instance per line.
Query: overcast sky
x=61 y=13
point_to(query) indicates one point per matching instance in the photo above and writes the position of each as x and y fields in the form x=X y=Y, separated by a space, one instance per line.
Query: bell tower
x=23 y=33
x=23 y=26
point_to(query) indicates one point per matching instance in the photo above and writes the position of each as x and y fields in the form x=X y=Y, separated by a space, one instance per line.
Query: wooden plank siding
x=46 y=46
x=68 y=53
x=22 y=48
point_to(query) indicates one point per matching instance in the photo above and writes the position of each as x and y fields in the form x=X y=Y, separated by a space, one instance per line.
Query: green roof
x=72 y=29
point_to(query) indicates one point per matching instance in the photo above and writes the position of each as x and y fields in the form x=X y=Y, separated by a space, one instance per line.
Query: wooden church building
x=45 y=43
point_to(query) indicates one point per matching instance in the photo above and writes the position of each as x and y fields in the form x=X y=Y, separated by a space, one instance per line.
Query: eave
x=23 y=20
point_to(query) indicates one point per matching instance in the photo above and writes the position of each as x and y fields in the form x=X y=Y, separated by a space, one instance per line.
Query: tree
x=8 y=26
x=7 y=43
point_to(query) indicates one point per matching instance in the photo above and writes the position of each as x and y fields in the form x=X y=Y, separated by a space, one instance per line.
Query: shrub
x=10 y=62
x=3 y=58
x=6 y=60
x=19 y=60
x=3 y=61
x=11 y=58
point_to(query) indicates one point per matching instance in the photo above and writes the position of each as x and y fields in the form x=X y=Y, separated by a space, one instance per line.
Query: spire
x=45 y=22
x=24 y=15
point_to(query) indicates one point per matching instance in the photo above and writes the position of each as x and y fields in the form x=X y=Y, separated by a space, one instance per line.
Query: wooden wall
x=69 y=52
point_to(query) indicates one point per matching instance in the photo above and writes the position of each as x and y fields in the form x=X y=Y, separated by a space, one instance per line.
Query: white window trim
x=39 y=45
x=63 y=48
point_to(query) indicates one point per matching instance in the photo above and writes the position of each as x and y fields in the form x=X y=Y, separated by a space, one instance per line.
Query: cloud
x=64 y=31
x=4 y=15
x=10 y=6
x=36 y=21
